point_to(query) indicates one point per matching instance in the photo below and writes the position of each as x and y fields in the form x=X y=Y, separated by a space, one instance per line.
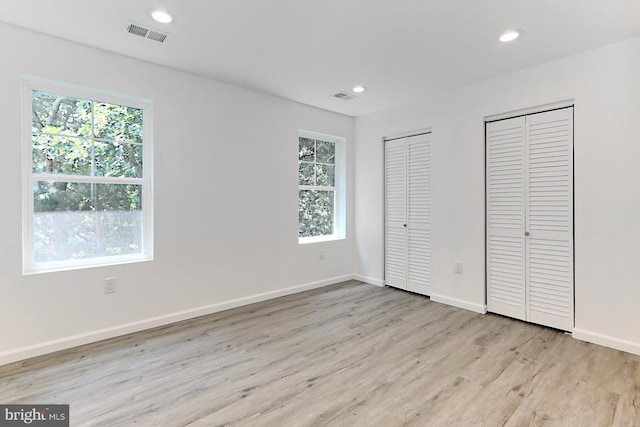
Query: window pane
x=60 y=115
x=325 y=152
x=306 y=149
x=61 y=155
x=118 y=159
x=306 y=174
x=325 y=175
x=80 y=220
x=118 y=123
x=315 y=213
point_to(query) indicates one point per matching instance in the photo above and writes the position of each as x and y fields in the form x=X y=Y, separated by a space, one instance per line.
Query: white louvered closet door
x=506 y=217
x=530 y=218
x=408 y=213
x=395 y=174
x=419 y=214
x=550 y=218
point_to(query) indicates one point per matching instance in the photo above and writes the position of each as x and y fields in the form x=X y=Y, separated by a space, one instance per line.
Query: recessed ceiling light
x=510 y=35
x=358 y=89
x=161 y=16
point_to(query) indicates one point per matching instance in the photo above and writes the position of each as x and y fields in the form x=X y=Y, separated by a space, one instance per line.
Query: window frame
x=29 y=266
x=339 y=187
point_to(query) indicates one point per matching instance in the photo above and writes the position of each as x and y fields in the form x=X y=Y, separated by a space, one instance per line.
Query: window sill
x=53 y=267
x=319 y=239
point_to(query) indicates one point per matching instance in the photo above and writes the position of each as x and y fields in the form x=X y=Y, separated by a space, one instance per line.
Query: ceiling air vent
x=344 y=96
x=147 y=33
x=157 y=36
x=137 y=30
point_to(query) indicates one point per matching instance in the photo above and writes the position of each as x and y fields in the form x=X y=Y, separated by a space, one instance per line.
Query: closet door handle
x=526 y=233
x=404 y=225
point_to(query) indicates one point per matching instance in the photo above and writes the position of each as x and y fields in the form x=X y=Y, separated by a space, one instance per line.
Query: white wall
x=605 y=87
x=225 y=203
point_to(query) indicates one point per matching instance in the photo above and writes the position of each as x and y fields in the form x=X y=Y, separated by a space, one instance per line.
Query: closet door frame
x=514 y=114
x=403 y=136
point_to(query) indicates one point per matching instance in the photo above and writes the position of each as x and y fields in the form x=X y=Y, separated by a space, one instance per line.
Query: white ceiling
x=306 y=50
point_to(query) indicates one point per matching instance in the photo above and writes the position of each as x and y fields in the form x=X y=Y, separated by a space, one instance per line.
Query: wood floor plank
x=345 y=355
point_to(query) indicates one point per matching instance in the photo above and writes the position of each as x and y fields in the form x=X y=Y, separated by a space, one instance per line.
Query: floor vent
x=141 y=31
x=344 y=96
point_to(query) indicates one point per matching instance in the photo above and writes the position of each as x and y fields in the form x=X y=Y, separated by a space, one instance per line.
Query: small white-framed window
x=87 y=168
x=321 y=187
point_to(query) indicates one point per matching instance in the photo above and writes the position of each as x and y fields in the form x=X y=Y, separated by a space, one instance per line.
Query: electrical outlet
x=458 y=267
x=110 y=285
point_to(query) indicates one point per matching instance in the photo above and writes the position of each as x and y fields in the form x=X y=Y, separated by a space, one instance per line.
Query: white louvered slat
x=395 y=182
x=396 y=213
x=505 y=141
x=419 y=214
x=419 y=279
x=506 y=274
x=550 y=218
x=395 y=257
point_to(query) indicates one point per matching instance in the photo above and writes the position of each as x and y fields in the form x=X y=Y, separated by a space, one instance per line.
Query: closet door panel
x=550 y=219
x=550 y=284
x=396 y=213
x=419 y=214
x=506 y=261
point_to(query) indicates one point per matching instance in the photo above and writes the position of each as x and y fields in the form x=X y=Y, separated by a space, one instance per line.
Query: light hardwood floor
x=345 y=355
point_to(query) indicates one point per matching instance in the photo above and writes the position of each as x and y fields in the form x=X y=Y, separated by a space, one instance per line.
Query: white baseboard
x=478 y=308
x=102 y=334
x=606 y=340
x=369 y=280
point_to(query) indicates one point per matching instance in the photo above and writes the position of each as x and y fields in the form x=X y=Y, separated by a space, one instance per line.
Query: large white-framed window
x=321 y=187
x=87 y=177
